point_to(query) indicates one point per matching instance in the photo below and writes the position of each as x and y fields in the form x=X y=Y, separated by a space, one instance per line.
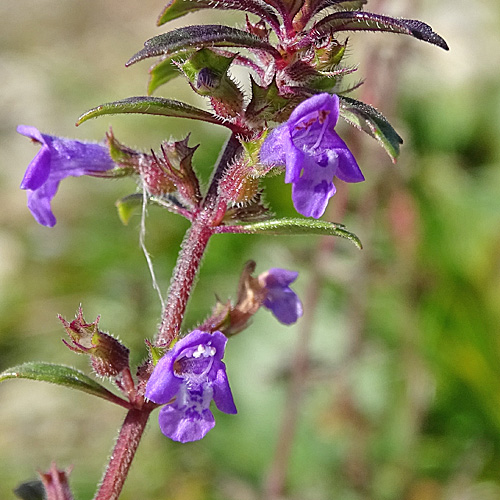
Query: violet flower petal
x=39 y=203
x=285 y=305
x=313 y=154
x=277 y=277
x=193 y=373
x=280 y=299
x=311 y=192
x=163 y=384
x=189 y=418
x=310 y=107
x=223 y=398
x=57 y=159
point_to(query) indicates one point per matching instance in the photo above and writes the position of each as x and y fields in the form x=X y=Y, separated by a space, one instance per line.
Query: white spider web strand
x=142 y=238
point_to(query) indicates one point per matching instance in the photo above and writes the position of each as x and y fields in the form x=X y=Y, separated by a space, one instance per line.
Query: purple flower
x=313 y=154
x=58 y=158
x=193 y=373
x=280 y=299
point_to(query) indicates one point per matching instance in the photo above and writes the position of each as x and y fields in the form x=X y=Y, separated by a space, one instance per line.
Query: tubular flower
x=59 y=158
x=313 y=154
x=280 y=299
x=189 y=377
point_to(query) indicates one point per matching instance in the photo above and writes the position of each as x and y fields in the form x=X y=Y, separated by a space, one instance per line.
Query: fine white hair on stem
x=142 y=238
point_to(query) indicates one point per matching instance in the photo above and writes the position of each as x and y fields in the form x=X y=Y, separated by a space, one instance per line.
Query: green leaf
x=367 y=118
x=189 y=38
x=293 y=226
x=178 y=8
x=151 y=106
x=367 y=21
x=163 y=72
x=127 y=206
x=61 y=375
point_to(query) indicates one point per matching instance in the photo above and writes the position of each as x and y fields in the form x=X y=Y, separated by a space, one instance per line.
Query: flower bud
x=207 y=73
x=270 y=290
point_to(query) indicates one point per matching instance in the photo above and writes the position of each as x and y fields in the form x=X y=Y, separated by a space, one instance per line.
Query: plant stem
x=188 y=263
x=123 y=453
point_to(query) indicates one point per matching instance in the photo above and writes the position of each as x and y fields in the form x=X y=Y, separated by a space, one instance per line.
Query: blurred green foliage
x=403 y=395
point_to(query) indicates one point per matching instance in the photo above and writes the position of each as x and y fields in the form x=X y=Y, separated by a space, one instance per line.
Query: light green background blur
x=403 y=400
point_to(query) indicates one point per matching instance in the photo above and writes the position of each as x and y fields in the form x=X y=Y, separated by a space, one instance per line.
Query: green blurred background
x=401 y=398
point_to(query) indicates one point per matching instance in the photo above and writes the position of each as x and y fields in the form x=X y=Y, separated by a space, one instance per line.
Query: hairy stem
x=123 y=454
x=188 y=263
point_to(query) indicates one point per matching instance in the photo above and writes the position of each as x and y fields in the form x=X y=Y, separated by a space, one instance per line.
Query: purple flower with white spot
x=189 y=377
x=312 y=153
x=280 y=299
x=59 y=158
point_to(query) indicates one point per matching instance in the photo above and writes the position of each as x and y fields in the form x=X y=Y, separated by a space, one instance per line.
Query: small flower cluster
x=295 y=55
x=190 y=375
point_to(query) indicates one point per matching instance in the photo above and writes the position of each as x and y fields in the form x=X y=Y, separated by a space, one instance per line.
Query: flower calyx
x=270 y=290
x=108 y=357
x=163 y=173
x=55 y=483
x=175 y=163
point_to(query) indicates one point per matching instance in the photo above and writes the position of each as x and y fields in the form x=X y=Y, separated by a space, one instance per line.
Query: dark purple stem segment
x=123 y=454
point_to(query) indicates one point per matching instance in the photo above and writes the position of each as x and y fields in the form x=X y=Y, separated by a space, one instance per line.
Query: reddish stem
x=185 y=272
x=123 y=454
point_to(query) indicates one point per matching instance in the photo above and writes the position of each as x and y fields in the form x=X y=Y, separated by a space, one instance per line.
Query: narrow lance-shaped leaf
x=367 y=21
x=292 y=226
x=368 y=119
x=61 y=375
x=152 y=106
x=178 y=8
x=192 y=37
